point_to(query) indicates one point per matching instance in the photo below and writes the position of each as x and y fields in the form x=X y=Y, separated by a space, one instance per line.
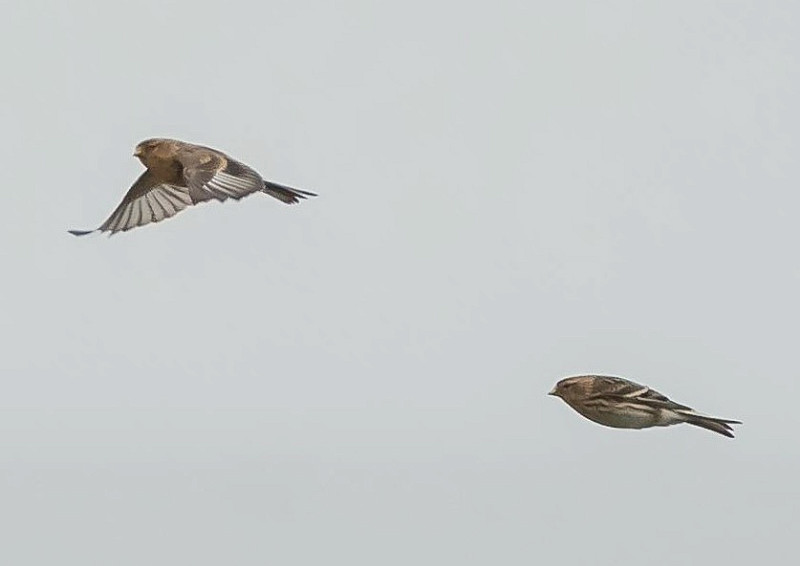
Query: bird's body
x=620 y=403
x=181 y=174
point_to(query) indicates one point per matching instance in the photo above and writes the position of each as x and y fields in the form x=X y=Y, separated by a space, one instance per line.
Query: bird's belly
x=168 y=172
x=627 y=418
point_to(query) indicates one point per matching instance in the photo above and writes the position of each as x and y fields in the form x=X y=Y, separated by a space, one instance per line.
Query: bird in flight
x=620 y=403
x=181 y=174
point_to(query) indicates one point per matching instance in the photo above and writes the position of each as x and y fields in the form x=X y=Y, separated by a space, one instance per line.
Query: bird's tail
x=720 y=426
x=286 y=194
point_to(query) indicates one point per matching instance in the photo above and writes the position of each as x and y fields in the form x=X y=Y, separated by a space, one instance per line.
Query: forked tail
x=286 y=194
x=721 y=426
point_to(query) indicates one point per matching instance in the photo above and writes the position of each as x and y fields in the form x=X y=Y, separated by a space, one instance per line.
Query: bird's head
x=569 y=388
x=146 y=148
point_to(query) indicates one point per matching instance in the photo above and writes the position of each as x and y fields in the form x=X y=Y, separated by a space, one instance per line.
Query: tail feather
x=720 y=426
x=289 y=195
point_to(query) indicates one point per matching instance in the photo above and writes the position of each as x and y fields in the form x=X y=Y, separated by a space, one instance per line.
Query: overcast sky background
x=509 y=194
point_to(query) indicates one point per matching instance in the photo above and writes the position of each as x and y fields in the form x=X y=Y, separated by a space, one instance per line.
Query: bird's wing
x=624 y=390
x=148 y=200
x=211 y=174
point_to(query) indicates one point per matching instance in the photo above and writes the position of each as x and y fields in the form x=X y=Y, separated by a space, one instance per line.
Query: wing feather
x=147 y=201
x=624 y=390
x=211 y=174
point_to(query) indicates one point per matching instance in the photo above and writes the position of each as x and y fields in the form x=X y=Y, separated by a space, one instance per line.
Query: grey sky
x=509 y=194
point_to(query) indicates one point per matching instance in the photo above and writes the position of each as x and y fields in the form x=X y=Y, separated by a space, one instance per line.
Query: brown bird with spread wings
x=181 y=174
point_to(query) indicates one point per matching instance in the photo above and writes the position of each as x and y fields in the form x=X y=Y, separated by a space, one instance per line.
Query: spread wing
x=148 y=200
x=211 y=174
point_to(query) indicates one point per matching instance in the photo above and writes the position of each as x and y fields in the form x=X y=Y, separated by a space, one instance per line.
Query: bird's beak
x=137 y=153
x=553 y=392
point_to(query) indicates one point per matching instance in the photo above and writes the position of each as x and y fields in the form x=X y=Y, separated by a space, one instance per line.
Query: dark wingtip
x=80 y=232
